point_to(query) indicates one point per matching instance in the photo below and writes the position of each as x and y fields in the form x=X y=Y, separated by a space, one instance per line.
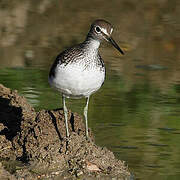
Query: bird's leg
x=65 y=115
x=85 y=116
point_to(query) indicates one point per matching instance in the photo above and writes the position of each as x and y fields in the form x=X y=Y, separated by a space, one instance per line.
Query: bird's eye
x=97 y=28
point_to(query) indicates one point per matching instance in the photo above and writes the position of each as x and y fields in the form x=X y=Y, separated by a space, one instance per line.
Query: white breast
x=74 y=80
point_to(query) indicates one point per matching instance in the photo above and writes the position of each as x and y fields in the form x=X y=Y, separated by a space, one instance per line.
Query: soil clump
x=33 y=145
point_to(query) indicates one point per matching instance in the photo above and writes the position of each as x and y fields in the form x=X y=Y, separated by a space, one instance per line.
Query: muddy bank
x=33 y=144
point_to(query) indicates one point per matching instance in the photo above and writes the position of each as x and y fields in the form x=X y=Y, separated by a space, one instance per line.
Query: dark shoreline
x=36 y=139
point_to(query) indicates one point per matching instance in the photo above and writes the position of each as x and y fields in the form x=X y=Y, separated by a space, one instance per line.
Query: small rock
x=79 y=173
x=92 y=167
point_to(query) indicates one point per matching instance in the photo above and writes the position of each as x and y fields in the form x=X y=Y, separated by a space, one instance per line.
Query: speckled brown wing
x=67 y=56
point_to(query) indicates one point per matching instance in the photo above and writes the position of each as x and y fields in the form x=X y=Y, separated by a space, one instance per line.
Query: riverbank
x=33 y=145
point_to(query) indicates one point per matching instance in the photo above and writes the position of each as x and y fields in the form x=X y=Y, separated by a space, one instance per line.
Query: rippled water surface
x=136 y=113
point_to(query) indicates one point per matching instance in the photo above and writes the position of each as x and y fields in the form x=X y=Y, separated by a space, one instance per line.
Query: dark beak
x=111 y=40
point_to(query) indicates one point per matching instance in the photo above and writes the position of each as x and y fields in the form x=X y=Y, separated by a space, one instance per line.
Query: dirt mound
x=37 y=139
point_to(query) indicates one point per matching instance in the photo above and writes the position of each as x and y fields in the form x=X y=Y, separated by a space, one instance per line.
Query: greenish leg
x=65 y=115
x=85 y=116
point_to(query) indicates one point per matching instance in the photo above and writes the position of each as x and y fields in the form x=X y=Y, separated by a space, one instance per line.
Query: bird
x=79 y=71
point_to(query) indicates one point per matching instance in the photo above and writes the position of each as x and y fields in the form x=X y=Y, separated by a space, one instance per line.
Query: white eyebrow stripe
x=104 y=30
x=111 y=30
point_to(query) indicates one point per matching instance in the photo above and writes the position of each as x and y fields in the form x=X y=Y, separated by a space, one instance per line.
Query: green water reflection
x=140 y=125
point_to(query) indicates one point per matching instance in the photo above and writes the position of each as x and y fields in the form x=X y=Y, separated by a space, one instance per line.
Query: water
x=136 y=113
